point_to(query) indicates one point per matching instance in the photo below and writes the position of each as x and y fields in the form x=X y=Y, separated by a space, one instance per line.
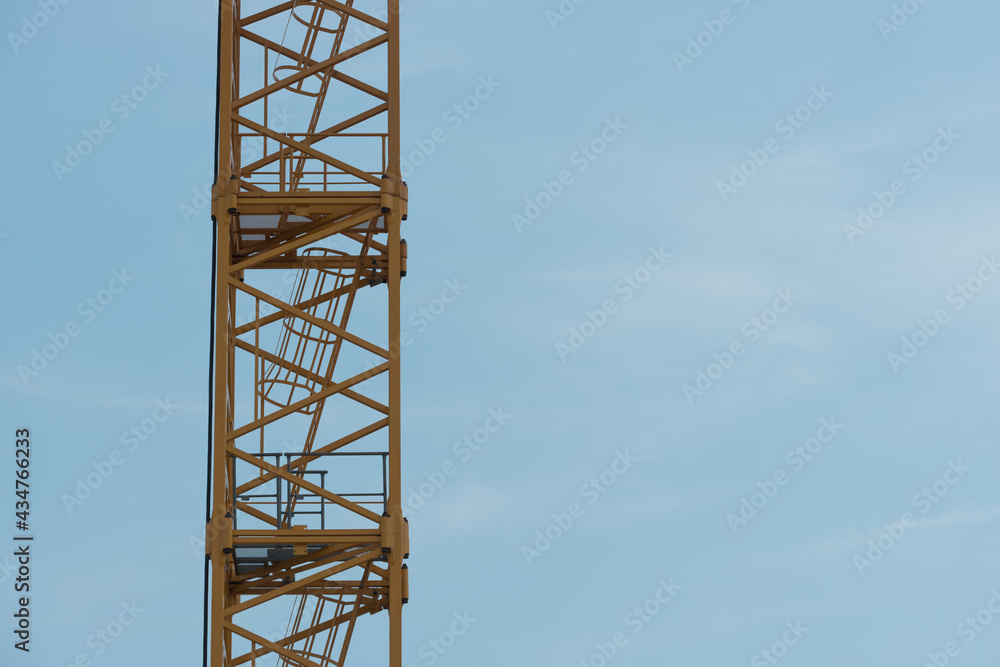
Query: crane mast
x=304 y=502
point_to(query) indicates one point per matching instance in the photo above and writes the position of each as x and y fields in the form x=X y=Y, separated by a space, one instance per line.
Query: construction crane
x=304 y=516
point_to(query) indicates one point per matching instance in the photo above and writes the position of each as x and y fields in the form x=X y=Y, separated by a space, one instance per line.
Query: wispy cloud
x=68 y=392
x=854 y=539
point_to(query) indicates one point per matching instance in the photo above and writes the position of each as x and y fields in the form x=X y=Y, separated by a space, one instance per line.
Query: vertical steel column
x=394 y=222
x=220 y=525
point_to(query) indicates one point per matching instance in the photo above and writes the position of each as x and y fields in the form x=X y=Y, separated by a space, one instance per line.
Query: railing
x=289 y=497
x=290 y=172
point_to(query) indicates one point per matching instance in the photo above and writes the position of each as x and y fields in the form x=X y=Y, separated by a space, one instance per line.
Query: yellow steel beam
x=311 y=71
x=291 y=587
x=328 y=226
x=298 y=463
x=304 y=483
x=311 y=319
x=330 y=390
x=306 y=149
x=333 y=129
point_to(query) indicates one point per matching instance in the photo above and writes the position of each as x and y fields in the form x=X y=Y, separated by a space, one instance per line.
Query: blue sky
x=590 y=259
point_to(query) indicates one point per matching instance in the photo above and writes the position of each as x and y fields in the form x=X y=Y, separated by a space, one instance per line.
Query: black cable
x=211 y=400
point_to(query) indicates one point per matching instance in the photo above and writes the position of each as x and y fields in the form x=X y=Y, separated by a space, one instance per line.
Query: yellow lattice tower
x=308 y=179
